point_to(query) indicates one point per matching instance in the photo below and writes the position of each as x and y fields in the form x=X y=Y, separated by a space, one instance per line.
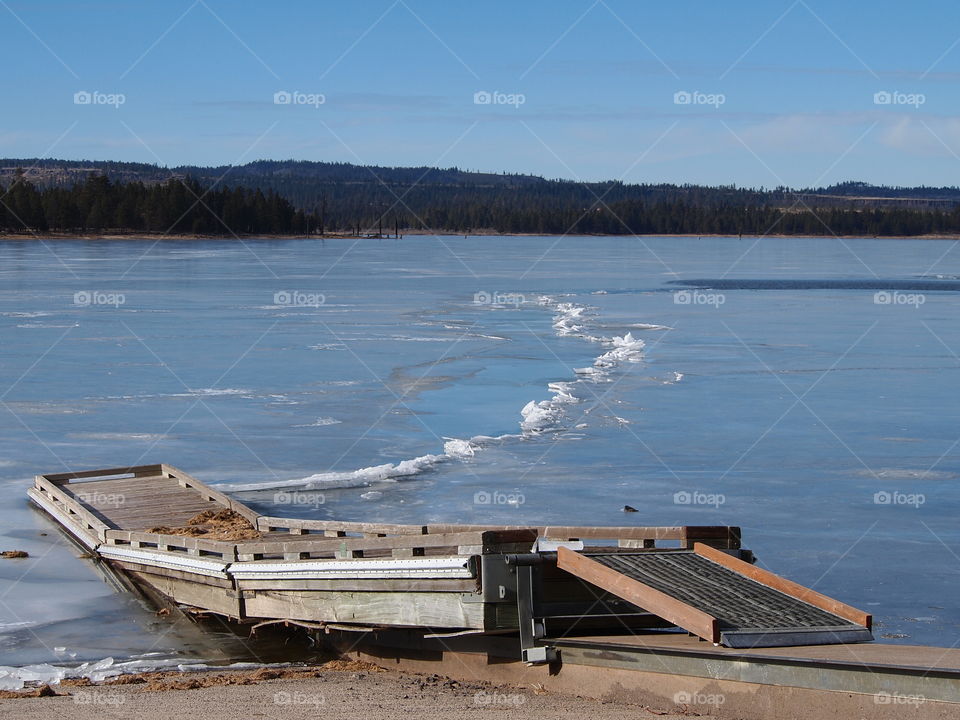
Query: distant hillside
x=342 y=197
x=304 y=183
x=51 y=173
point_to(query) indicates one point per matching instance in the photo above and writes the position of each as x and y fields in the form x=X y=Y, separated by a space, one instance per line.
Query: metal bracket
x=546 y=545
x=541 y=655
x=531 y=626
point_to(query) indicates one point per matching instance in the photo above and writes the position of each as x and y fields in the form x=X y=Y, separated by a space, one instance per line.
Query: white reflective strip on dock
x=441 y=567
x=171 y=561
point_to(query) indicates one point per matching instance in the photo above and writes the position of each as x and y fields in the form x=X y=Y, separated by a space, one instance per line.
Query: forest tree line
x=193 y=206
x=173 y=207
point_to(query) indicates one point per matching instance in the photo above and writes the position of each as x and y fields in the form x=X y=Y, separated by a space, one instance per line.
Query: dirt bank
x=340 y=689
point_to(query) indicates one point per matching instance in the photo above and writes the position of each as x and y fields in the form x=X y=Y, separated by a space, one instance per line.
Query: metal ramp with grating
x=720 y=598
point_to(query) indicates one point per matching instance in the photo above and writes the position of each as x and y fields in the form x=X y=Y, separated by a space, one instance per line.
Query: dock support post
x=531 y=626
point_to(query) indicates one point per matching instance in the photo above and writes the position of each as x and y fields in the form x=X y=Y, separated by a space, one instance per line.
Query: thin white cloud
x=922 y=136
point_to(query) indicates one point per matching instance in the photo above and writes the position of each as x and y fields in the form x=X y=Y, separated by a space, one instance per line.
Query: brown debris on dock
x=214 y=525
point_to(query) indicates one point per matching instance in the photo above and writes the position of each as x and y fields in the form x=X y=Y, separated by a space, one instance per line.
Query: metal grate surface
x=736 y=601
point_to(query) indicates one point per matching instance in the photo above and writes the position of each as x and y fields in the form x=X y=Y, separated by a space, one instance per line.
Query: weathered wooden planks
x=140 y=497
x=188 y=592
x=336 y=528
x=431 y=610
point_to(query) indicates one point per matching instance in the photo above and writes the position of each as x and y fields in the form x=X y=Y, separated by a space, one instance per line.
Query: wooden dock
x=328 y=571
x=548 y=596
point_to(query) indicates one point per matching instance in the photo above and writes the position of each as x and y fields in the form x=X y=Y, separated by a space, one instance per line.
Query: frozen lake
x=804 y=389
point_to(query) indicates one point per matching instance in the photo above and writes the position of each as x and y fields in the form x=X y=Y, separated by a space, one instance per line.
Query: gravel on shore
x=340 y=689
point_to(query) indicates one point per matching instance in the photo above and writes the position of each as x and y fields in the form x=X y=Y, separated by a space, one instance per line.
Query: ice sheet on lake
x=537 y=416
x=571 y=319
x=453 y=449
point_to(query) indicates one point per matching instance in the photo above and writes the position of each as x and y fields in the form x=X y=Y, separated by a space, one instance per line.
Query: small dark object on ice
x=15 y=554
x=629 y=508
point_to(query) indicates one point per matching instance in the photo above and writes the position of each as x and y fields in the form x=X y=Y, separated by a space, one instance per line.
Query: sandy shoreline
x=341 y=689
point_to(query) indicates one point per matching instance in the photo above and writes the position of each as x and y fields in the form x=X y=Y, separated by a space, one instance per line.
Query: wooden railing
x=683 y=536
x=335 y=528
x=64 y=501
x=197 y=546
x=398 y=546
x=134 y=471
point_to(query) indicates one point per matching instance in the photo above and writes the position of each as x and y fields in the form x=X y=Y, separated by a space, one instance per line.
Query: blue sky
x=778 y=92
